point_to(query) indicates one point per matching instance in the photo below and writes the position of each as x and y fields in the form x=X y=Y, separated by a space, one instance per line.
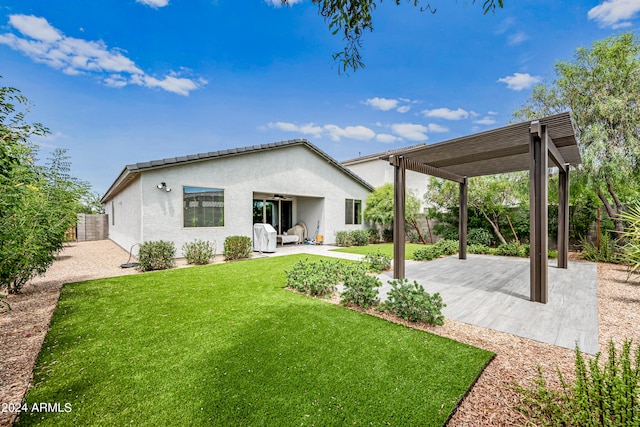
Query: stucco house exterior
x=211 y=196
x=378 y=172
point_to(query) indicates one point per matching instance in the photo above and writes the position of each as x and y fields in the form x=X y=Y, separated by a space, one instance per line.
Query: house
x=376 y=171
x=211 y=196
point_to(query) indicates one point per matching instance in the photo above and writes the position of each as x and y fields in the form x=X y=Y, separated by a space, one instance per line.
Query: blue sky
x=127 y=81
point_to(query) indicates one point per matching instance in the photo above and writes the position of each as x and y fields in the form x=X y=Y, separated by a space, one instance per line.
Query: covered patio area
x=534 y=146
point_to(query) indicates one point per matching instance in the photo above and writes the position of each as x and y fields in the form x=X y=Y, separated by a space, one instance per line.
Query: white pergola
x=518 y=147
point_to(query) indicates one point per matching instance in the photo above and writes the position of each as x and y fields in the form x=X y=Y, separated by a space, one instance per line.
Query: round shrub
x=156 y=255
x=378 y=262
x=199 y=252
x=237 y=247
x=343 y=239
x=411 y=302
x=360 y=237
x=361 y=290
x=479 y=236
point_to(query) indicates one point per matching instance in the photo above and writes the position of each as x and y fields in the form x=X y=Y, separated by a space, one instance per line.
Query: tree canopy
x=601 y=88
x=38 y=203
x=352 y=18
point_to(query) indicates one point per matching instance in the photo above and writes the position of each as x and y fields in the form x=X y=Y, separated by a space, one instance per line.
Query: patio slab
x=493 y=292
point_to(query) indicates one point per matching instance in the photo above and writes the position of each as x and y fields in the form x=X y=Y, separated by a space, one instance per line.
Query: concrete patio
x=493 y=292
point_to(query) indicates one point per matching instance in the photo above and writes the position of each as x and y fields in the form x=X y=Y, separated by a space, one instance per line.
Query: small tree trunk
x=414 y=224
x=429 y=229
x=513 y=230
x=613 y=213
x=495 y=228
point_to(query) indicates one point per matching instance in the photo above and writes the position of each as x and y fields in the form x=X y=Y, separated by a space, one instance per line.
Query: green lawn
x=385 y=248
x=226 y=345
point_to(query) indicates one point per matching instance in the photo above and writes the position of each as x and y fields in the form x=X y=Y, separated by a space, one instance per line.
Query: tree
x=37 y=203
x=353 y=17
x=492 y=196
x=379 y=209
x=601 y=88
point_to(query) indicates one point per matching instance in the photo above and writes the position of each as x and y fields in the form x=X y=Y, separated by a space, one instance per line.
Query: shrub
x=378 y=262
x=479 y=236
x=438 y=249
x=387 y=235
x=509 y=249
x=199 y=252
x=374 y=235
x=361 y=290
x=156 y=255
x=359 y=237
x=608 y=251
x=343 y=239
x=479 y=249
x=237 y=247
x=604 y=394
x=411 y=302
x=316 y=278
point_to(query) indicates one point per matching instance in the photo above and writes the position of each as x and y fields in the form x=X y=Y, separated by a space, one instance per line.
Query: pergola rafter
x=522 y=146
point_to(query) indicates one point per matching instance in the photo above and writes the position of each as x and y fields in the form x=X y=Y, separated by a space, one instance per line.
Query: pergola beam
x=426 y=169
x=556 y=157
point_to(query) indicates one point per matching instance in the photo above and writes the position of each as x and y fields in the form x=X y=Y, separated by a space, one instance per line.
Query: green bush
x=608 y=251
x=631 y=250
x=387 y=235
x=378 y=262
x=360 y=237
x=360 y=288
x=237 y=247
x=199 y=252
x=156 y=255
x=479 y=236
x=602 y=394
x=411 y=302
x=374 y=235
x=440 y=248
x=509 y=249
x=480 y=249
x=343 y=239
x=315 y=278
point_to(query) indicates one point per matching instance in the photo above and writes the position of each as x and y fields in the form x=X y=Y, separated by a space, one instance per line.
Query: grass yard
x=384 y=248
x=227 y=345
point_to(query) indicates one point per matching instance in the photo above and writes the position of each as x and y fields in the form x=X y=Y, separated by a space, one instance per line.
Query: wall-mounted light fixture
x=163 y=185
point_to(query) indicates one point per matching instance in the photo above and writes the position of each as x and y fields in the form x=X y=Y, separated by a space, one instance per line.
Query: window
x=203 y=207
x=353 y=211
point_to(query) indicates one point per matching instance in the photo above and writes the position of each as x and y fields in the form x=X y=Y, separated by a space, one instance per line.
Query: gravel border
x=491 y=402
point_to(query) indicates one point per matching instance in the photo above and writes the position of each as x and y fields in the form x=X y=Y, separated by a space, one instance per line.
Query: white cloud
x=278 y=3
x=45 y=44
x=436 y=128
x=383 y=104
x=352 y=132
x=487 y=120
x=385 y=138
x=403 y=109
x=517 y=38
x=34 y=27
x=410 y=131
x=306 y=129
x=520 y=81
x=445 y=113
x=154 y=3
x=614 y=13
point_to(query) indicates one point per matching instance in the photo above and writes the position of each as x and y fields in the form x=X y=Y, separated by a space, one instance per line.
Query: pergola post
x=538 y=196
x=563 y=218
x=462 y=220
x=399 y=182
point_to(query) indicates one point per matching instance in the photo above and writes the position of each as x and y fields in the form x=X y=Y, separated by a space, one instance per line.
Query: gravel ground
x=492 y=400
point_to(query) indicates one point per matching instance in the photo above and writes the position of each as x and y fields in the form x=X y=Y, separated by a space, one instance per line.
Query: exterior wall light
x=163 y=185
